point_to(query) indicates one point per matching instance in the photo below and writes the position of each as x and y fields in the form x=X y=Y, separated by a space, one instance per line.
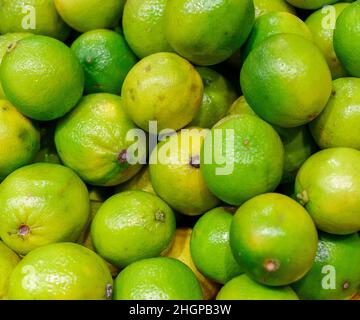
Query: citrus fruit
x=8 y=260
x=40 y=204
x=240 y=106
x=339 y=124
x=157 y=279
x=335 y=274
x=92 y=140
x=328 y=185
x=286 y=80
x=236 y=146
x=267 y=238
x=86 y=15
x=19 y=139
x=106 y=59
x=176 y=162
x=35 y=16
x=141 y=181
x=243 y=288
x=266 y=6
x=131 y=226
x=162 y=87
x=210 y=246
x=143 y=24
x=322 y=29
x=313 y=4
x=61 y=271
x=180 y=250
x=208 y=32
x=273 y=23
x=219 y=94
x=41 y=77
x=347 y=39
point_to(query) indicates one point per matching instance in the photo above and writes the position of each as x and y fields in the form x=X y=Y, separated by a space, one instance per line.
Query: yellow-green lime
x=40 y=204
x=141 y=181
x=8 y=260
x=157 y=279
x=312 y=4
x=266 y=6
x=240 y=106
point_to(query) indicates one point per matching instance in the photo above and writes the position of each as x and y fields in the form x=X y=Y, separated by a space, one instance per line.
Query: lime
x=131 y=226
x=8 y=260
x=347 y=38
x=338 y=124
x=219 y=94
x=286 y=80
x=141 y=181
x=328 y=185
x=40 y=204
x=240 y=106
x=267 y=238
x=242 y=157
x=180 y=250
x=266 y=6
x=86 y=15
x=61 y=271
x=106 y=59
x=143 y=24
x=335 y=274
x=175 y=162
x=208 y=32
x=210 y=246
x=19 y=139
x=157 y=279
x=41 y=77
x=35 y=16
x=322 y=29
x=92 y=140
x=165 y=88
x=312 y=4
x=243 y=288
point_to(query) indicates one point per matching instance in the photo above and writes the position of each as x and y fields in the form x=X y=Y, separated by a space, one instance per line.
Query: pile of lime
x=179 y=150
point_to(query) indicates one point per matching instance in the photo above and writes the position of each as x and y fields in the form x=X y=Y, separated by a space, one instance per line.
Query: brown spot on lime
x=271 y=265
x=11 y=46
x=195 y=162
x=246 y=142
x=108 y=291
x=159 y=216
x=194 y=87
x=24 y=230
x=132 y=94
x=148 y=68
x=89 y=60
x=346 y=285
x=230 y=209
x=122 y=156
x=303 y=197
x=313 y=116
x=333 y=93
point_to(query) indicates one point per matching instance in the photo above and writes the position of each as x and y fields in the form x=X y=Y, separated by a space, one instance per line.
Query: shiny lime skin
x=286 y=80
x=328 y=185
x=244 y=288
x=157 y=279
x=92 y=140
x=240 y=106
x=40 y=204
x=255 y=149
x=8 y=260
x=312 y=4
x=339 y=124
x=131 y=226
x=61 y=271
x=266 y=6
x=42 y=77
x=341 y=253
x=210 y=246
x=208 y=32
x=267 y=238
x=106 y=59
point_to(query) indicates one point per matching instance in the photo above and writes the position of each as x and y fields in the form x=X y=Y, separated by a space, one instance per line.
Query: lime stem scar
x=24 y=230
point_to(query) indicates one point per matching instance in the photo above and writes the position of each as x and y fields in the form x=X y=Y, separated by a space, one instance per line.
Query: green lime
x=338 y=124
x=335 y=274
x=106 y=59
x=19 y=139
x=210 y=246
x=240 y=106
x=35 y=16
x=267 y=238
x=243 y=288
x=141 y=181
x=286 y=80
x=86 y=15
x=61 y=271
x=266 y=6
x=322 y=25
x=41 y=77
x=347 y=38
x=219 y=94
x=92 y=140
x=40 y=204
x=131 y=226
x=157 y=279
x=180 y=168
x=328 y=185
x=8 y=260
x=312 y=4
x=208 y=32
x=165 y=88
x=143 y=24
x=242 y=157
